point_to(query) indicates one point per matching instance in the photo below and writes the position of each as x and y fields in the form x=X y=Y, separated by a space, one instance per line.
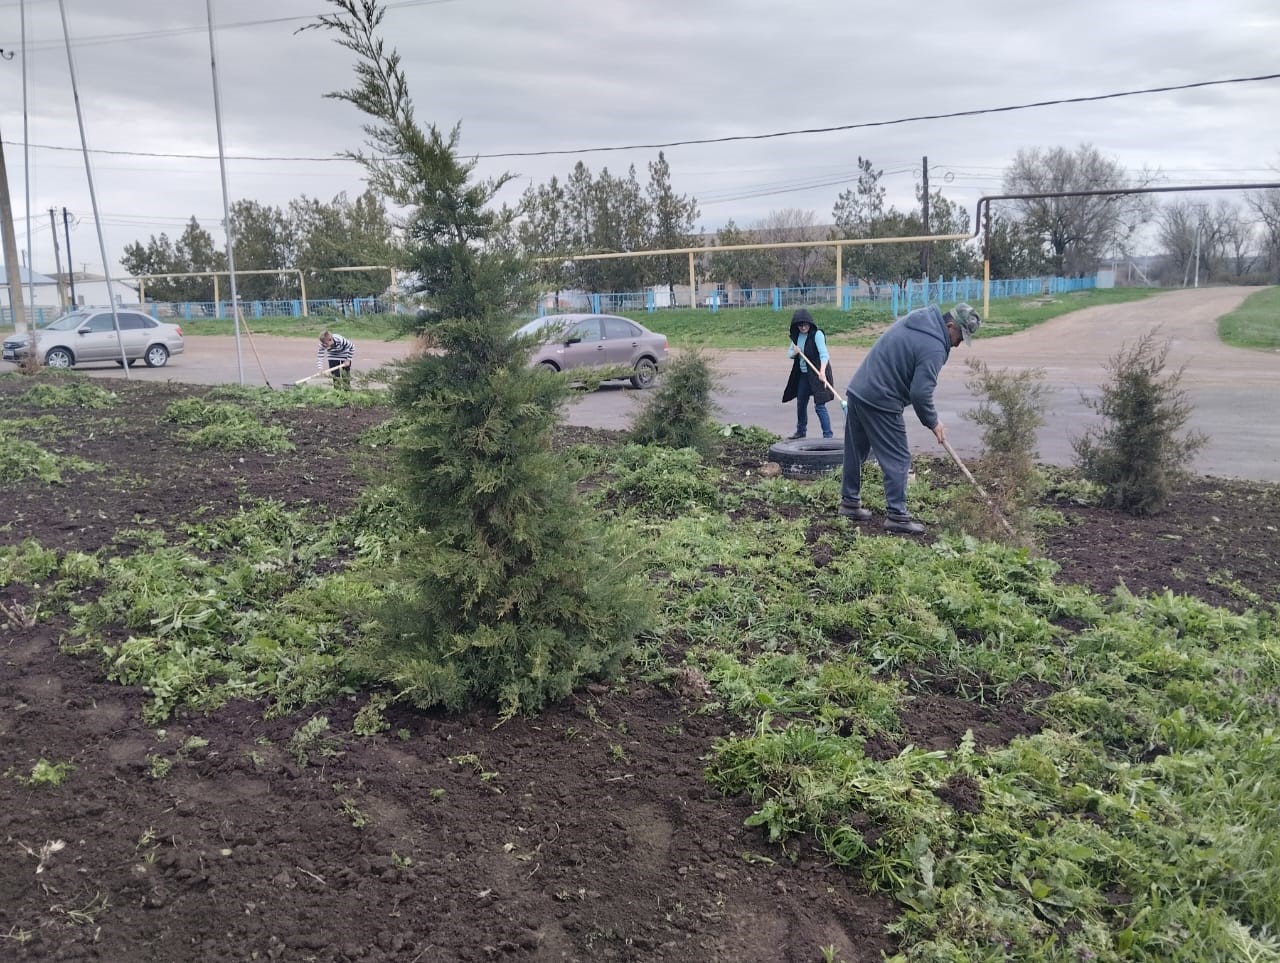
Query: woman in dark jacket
x=809 y=349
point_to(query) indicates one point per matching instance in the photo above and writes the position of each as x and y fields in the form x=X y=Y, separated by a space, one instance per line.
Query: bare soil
x=595 y=838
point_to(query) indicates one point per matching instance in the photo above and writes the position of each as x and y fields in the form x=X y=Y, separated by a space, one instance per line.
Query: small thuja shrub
x=505 y=589
x=677 y=413
x=1010 y=411
x=1137 y=455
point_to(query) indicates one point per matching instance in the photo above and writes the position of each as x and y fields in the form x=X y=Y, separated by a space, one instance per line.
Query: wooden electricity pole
x=924 y=248
x=57 y=260
x=12 y=275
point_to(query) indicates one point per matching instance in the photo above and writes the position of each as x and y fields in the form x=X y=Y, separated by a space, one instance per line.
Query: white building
x=38 y=290
x=46 y=296
x=91 y=289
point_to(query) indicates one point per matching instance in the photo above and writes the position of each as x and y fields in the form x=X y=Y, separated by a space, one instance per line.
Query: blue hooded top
x=902 y=366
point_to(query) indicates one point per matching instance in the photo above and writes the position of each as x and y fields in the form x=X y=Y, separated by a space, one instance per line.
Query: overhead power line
x=202 y=28
x=709 y=140
x=887 y=123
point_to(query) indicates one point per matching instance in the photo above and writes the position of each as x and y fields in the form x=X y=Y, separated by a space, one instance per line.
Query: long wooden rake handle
x=844 y=405
x=302 y=381
x=981 y=491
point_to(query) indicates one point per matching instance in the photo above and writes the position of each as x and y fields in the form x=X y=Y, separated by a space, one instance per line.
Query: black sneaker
x=798 y=435
x=855 y=511
x=903 y=525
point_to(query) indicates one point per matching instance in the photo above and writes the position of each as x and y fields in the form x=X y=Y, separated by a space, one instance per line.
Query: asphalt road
x=1234 y=393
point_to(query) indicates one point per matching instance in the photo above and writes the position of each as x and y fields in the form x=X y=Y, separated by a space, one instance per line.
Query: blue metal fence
x=354 y=307
x=901 y=299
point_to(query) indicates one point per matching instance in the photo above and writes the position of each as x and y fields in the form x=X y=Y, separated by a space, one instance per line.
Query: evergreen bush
x=1137 y=454
x=507 y=590
x=678 y=412
x=1010 y=411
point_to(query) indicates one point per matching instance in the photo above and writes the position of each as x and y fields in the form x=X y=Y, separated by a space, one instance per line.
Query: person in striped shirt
x=335 y=356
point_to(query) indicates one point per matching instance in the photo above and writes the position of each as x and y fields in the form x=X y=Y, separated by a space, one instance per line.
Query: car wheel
x=805 y=457
x=548 y=367
x=157 y=356
x=646 y=373
x=59 y=358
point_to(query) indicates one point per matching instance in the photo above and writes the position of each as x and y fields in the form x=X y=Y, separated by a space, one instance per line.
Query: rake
x=303 y=381
x=981 y=491
x=844 y=404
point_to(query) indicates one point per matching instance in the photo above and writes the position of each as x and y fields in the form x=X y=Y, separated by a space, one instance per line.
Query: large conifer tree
x=508 y=590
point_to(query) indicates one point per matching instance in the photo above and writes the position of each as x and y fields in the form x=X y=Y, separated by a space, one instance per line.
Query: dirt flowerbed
x=586 y=833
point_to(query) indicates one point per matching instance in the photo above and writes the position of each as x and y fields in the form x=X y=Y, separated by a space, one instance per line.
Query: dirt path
x=1234 y=392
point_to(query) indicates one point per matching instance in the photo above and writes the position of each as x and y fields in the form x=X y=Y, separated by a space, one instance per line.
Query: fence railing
x=39 y=315
x=900 y=298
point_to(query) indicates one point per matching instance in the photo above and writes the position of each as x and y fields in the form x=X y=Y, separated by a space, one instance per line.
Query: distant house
x=39 y=290
x=91 y=289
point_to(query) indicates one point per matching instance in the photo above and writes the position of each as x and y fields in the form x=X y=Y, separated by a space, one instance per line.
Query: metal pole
x=57 y=259
x=986 y=261
x=226 y=203
x=71 y=268
x=839 y=275
x=26 y=162
x=93 y=194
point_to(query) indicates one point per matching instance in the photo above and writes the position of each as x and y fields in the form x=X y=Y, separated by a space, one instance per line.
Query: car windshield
x=69 y=322
x=544 y=328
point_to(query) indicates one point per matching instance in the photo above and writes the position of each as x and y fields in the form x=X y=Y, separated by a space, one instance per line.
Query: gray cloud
x=528 y=76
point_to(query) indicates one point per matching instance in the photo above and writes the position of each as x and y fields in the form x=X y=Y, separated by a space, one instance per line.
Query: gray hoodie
x=902 y=366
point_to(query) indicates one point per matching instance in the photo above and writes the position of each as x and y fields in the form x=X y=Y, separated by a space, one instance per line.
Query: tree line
x=309 y=235
x=1067 y=236
x=589 y=212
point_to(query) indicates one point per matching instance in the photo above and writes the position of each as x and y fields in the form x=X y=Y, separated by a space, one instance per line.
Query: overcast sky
x=565 y=75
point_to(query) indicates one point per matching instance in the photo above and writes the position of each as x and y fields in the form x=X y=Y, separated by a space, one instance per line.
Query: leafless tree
x=797 y=265
x=1266 y=205
x=1076 y=231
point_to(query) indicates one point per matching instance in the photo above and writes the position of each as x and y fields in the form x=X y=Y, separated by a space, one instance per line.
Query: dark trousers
x=342 y=374
x=870 y=430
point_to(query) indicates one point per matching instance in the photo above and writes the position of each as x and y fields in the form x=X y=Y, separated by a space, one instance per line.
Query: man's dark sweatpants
x=868 y=430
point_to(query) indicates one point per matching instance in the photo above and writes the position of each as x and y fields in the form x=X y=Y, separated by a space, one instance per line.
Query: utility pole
x=1197 y=255
x=924 y=248
x=13 y=275
x=57 y=258
x=71 y=270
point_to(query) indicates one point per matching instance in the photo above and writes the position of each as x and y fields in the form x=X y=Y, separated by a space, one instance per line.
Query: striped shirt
x=341 y=350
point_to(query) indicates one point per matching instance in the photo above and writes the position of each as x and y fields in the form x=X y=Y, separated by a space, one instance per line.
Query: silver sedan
x=90 y=336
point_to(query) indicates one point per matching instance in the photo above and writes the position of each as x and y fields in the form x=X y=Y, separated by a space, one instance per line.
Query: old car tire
x=805 y=457
x=59 y=358
x=646 y=373
x=120 y=364
x=157 y=356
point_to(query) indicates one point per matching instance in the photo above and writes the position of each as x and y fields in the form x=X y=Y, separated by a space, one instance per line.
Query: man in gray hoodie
x=900 y=369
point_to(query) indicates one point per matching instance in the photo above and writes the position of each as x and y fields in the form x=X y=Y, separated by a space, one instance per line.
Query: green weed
x=46 y=775
x=226 y=425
